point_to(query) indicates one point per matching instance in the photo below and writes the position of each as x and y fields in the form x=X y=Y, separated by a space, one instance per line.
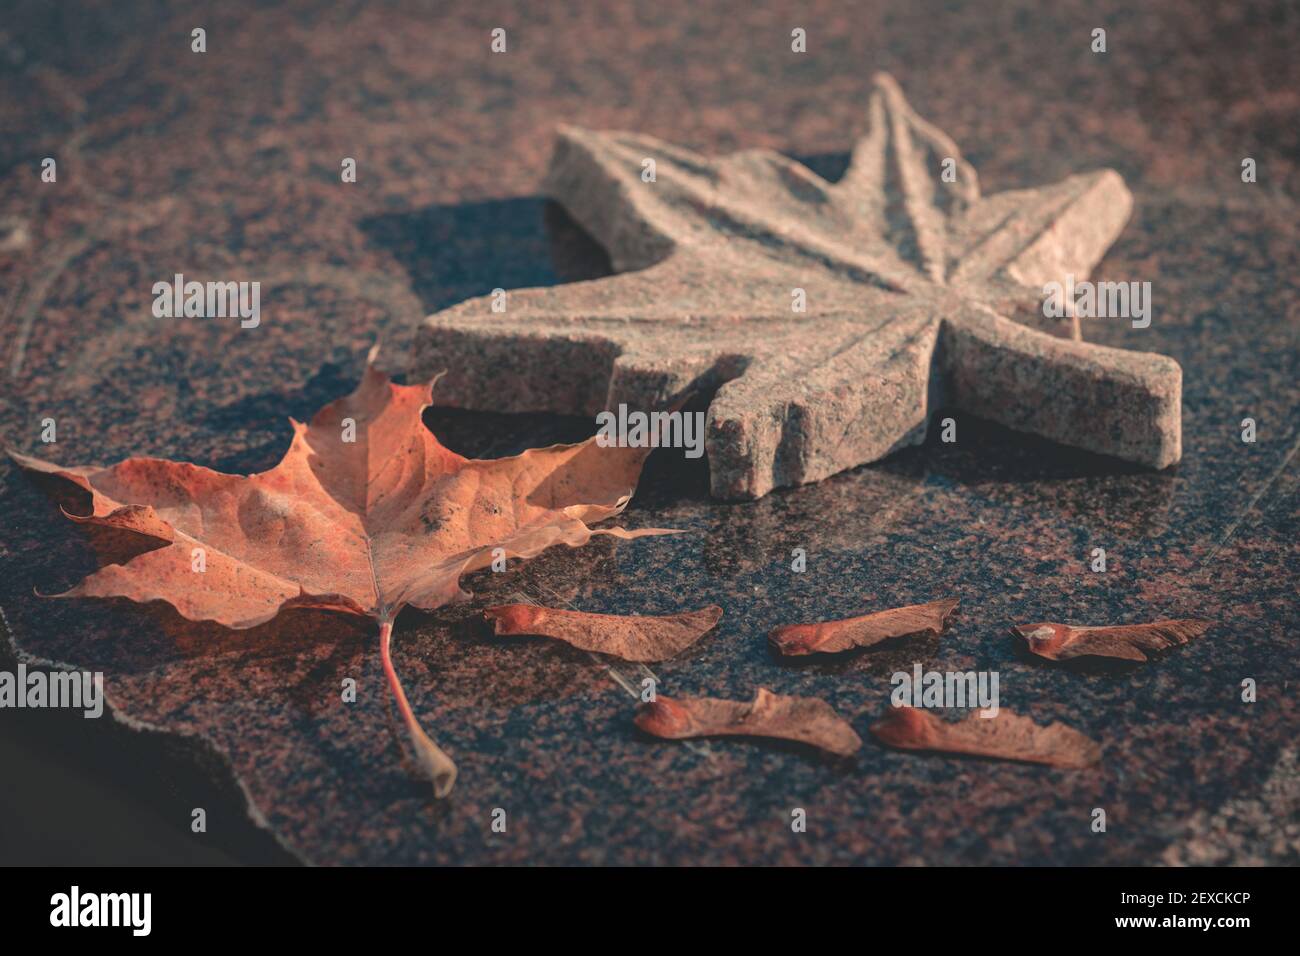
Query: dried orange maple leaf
x=363 y=526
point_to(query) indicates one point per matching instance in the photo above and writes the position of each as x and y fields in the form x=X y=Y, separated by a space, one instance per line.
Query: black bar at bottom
x=641 y=907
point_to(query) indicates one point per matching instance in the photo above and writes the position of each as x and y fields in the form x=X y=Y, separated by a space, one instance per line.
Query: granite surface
x=226 y=166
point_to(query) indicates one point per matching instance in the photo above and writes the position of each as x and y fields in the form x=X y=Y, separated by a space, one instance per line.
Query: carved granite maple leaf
x=918 y=292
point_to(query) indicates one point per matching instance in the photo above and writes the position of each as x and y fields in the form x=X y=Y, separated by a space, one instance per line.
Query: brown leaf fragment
x=832 y=637
x=1130 y=642
x=630 y=637
x=1007 y=736
x=807 y=720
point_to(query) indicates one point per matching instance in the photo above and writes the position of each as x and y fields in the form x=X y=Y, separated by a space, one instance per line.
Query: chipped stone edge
x=251 y=809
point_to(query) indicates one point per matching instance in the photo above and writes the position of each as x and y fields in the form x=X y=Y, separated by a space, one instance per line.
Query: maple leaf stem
x=432 y=760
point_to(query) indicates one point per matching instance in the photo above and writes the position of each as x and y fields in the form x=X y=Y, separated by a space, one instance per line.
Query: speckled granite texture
x=226 y=166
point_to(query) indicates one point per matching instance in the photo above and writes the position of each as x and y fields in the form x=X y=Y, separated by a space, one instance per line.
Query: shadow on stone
x=456 y=252
x=1025 y=471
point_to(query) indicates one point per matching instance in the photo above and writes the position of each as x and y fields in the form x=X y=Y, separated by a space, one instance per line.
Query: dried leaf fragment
x=1130 y=642
x=807 y=720
x=1007 y=736
x=832 y=637
x=630 y=637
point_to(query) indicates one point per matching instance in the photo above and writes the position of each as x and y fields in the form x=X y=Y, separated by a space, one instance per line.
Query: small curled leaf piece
x=834 y=637
x=1006 y=736
x=806 y=720
x=631 y=638
x=1130 y=642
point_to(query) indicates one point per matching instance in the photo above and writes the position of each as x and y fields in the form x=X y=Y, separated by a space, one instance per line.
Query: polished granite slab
x=226 y=165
